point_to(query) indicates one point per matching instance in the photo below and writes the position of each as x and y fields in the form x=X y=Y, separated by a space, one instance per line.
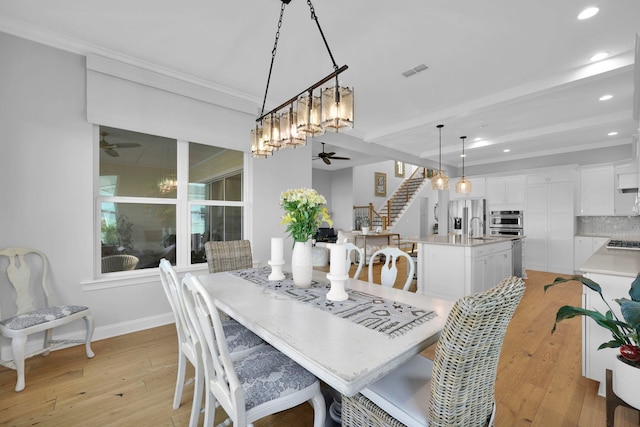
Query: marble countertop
x=461 y=240
x=616 y=262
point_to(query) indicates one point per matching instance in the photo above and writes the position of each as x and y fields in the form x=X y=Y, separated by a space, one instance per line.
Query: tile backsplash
x=608 y=226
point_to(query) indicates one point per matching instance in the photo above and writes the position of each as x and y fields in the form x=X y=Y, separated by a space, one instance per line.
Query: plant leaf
x=630 y=312
x=634 y=292
x=568 y=312
x=611 y=344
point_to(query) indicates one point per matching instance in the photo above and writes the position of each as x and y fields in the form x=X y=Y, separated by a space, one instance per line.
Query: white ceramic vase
x=625 y=382
x=301 y=264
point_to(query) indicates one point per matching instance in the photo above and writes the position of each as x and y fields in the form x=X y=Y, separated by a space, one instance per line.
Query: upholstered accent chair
x=28 y=274
x=456 y=388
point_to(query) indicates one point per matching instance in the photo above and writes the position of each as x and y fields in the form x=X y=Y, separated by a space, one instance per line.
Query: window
x=139 y=207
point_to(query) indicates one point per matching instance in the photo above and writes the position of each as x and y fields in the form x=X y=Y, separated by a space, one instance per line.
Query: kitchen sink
x=482 y=238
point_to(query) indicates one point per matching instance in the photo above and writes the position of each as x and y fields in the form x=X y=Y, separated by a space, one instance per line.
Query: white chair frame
x=359 y=254
x=31 y=318
x=222 y=382
x=389 y=271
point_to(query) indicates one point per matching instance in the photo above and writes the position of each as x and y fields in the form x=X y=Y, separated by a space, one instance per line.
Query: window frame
x=183 y=216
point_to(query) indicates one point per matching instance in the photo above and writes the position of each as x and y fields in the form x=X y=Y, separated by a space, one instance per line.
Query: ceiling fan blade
x=126 y=145
x=340 y=158
x=331 y=154
x=326 y=160
x=112 y=152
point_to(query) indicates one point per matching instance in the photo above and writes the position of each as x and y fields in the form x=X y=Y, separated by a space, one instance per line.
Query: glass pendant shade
x=289 y=135
x=258 y=147
x=440 y=181
x=310 y=115
x=337 y=108
x=463 y=186
x=271 y=131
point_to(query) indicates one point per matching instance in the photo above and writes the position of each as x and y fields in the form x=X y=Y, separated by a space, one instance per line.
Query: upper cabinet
x=506 y=192
x=597 y=191
x=477 y=189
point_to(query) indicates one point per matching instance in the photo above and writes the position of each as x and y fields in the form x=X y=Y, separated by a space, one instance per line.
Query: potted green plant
x=625 y=334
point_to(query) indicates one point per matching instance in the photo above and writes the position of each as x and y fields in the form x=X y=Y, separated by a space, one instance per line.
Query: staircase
x=402 y=197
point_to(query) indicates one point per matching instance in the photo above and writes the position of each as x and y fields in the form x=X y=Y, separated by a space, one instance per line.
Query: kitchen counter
x=461 y=240
x=615 y=262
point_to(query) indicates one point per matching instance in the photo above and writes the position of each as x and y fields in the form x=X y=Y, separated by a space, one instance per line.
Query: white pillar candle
x=338 y=260
x=277 y=249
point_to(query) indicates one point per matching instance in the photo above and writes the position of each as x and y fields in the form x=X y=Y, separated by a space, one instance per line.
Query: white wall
x=364 y=179
x=46 y=170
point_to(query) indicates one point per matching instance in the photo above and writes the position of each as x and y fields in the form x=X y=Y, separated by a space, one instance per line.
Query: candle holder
x=337 y=292
x=276 y=270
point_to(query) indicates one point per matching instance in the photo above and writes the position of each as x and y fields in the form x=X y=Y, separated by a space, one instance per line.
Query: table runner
x=377 y=313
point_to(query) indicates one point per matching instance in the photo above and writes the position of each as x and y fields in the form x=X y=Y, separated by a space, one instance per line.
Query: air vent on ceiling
x=414 y=70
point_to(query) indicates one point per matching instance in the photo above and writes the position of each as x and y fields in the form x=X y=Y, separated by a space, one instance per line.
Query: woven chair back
x=229 y=255
x=466 y=358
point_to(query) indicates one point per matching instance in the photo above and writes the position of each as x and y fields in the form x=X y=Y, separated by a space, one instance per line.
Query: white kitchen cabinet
x=506 y=192
x=549 y=221
x=443 y=275
x=490 y=264
x=597 y=190
x=477 y=189
x=584 y=247
x=453 y=271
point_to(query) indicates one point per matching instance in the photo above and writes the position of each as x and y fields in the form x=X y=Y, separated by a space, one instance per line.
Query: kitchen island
x=613 y=270
x=451 y=267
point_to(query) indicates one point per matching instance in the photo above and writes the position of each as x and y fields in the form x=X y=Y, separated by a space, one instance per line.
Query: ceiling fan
x=110 y=149
x=327 y=157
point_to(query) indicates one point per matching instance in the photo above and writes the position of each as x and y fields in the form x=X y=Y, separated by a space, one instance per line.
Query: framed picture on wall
x=381 y=184
x=399 y=169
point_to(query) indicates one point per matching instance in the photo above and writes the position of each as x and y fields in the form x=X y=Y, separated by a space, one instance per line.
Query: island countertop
x=615 y=262
x=461 y=240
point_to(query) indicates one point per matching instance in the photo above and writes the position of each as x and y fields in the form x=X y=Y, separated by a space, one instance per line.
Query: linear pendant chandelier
x=309 y=113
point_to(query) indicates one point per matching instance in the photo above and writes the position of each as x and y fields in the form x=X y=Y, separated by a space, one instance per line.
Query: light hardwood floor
x=131 y=380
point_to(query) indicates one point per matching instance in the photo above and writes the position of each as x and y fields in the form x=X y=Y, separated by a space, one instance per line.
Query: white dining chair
x=240 y=340
x=457 y=388
x=28 y=291
x=389 y=271
x=354 y=254
x=262 y=382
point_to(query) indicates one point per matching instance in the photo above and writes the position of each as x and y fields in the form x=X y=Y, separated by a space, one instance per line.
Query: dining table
x=346 y=344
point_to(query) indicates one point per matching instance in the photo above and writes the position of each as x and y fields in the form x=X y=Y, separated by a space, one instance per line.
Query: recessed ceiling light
x=506 y=150
x=612 y=133
x=599 y=56
x=463 y=155
x=605 y=97
x=478 y=139
x=589 y=12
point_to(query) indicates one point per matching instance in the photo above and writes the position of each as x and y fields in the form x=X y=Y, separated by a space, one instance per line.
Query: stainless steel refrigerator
x=467 y=215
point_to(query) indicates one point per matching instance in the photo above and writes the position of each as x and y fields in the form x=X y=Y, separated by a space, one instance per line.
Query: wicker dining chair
x=457 y=388
x=120 y=262
x=229 y=255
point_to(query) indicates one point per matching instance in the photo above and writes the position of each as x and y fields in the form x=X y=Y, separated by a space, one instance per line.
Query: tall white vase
x=301 y=264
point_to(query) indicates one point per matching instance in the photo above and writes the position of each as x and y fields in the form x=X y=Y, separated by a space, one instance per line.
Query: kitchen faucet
x=471 y=225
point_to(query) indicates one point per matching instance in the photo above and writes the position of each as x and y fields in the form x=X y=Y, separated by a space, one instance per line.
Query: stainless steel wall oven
x=506 y=223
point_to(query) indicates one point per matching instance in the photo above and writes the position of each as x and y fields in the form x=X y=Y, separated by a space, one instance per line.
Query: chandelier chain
x=315 y=18
x=273 y=56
